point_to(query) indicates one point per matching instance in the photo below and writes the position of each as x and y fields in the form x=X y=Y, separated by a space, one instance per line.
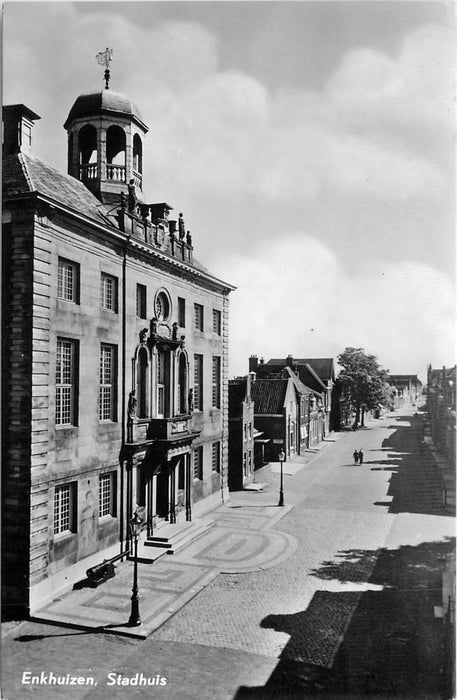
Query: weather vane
x=103 y=58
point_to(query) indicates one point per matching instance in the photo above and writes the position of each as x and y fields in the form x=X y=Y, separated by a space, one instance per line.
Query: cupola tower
x=105 y=143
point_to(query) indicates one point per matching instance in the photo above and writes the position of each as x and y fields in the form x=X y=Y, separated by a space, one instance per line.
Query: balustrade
x=88 y=171
x=115 y=172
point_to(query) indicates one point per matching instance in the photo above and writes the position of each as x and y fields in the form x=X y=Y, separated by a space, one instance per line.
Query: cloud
x=299 y=300
x=320 y=204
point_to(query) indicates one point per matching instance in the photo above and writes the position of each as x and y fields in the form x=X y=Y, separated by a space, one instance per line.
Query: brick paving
x=331 y=619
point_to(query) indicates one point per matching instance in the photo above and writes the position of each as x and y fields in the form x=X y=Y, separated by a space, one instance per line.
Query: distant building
x=115 y=344
x=408 y=389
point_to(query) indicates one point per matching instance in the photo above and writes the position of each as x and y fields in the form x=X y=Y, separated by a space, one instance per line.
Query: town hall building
x=115 y=354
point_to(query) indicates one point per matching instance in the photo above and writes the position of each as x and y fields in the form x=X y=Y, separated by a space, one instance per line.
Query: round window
x=162 y=306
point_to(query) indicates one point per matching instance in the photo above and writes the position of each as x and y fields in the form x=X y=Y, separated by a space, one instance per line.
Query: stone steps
x=171 y=538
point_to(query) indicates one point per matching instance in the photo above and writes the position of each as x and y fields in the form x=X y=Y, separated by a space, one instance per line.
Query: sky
x=310 y=146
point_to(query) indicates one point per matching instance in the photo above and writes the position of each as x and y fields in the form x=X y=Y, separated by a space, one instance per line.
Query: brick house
x=115 y=354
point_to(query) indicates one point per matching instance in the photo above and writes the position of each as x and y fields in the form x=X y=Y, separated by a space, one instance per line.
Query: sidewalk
x=240 y=540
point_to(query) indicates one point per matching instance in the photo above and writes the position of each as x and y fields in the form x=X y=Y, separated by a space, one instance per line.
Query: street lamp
x=136 y=524
x=281 y=457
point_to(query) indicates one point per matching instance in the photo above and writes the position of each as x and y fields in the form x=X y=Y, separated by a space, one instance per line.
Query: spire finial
x=103 y=58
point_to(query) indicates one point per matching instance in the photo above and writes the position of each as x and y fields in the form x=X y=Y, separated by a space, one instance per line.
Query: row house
x=441 y=408
x=276 y=415
x=242 y=433
x=115 y=354
x=319 y=416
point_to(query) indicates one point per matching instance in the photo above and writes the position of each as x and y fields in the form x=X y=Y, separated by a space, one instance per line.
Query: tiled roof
x=322 y=366
x=23 y=173
x=269 y=395
x=305 y=372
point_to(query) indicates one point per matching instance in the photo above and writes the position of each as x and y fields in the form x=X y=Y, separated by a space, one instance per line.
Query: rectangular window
x=64 y=508
x=181 y=312
x=216 y=322
x=68 y=280
x=216 y=382
x=198 y=312
x=198 y=382
x=108 y=292
x=160 y=384
x=107 y=396
x=198 y=463
x=216 y=457
x=66 y=386
x=107 y=494
x=141 y=301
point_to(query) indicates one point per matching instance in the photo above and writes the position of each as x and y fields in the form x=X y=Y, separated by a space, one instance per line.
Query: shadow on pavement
x=369 y=644
x=416 y=484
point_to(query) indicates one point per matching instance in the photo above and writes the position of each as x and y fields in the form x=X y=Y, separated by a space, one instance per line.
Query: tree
x=364 y=383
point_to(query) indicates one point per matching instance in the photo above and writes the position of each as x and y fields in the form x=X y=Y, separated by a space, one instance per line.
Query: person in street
x=356 y=457
x=360 y=457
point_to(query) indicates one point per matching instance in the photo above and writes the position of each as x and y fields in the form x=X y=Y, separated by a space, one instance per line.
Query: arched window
x=115 y=153
x=142 y=383
x=137 y=154
x=70 y=154
x=182 y=384
x=88 y=152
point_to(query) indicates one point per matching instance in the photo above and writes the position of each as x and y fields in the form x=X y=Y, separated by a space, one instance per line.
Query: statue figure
x=131 y=408
x=190 y=400
x=143 y=334
x=174 y=331
x=132 y=195
x=181 y=227
x=189 y=238
x=123 y=201
x=153 y=325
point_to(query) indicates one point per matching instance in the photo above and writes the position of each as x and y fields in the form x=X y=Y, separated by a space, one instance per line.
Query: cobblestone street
x=333 y=600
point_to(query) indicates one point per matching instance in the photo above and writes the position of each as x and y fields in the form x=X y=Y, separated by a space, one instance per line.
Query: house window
x=198 y=313
x=198 y=382
x=107 y=382
x=109 y=292
x=216 y=322
x=245 y=472
x=216 y=382
x=141 y=301
x=107 y=494
x=198 y=463
x=160 y=384
x=216 y=457
x=64 y=508
x=68 y=280
x=66 y=387
x=181 y=312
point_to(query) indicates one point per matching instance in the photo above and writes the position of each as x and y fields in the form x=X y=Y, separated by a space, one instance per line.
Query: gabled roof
x=24 y=173
x=269 y=395
x=298 y=384
x=323 y=367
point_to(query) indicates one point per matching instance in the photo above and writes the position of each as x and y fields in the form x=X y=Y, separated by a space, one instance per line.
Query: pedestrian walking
x=356 y=457
x=360 y=457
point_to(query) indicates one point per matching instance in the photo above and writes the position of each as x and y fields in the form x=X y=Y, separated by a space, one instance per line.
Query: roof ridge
x=23 y=161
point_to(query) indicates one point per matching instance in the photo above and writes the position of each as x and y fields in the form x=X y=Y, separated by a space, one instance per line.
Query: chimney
x=17 y=129
x=289 y=361
x=253 y=363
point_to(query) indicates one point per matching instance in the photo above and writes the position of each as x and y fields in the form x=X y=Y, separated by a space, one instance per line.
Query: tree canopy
x=364 y=382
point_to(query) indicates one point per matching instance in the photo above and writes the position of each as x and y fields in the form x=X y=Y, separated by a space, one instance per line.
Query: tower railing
x=115 y=172
x=88 y=171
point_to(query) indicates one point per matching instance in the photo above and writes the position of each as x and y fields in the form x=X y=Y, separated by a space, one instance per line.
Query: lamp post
x=281 y=457
x=135 y=528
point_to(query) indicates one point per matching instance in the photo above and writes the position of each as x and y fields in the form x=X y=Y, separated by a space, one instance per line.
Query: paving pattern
x=353 y=560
